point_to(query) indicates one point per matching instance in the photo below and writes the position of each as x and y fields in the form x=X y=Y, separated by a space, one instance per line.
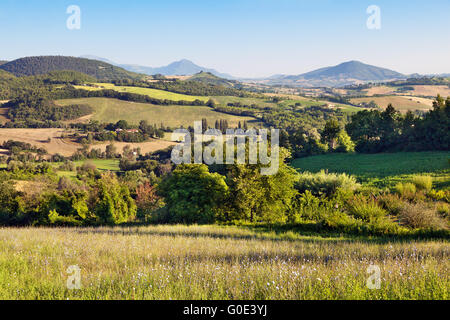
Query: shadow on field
x=306 y=233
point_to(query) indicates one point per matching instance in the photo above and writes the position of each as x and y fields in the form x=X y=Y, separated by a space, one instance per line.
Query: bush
x=420 y=215
x=392 y=203
x=406 y=190
x=424 y=183
x=365 y=209
x=326 y=183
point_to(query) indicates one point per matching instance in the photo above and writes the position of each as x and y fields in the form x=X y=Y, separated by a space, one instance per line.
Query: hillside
x=343 y=74
x=44 y=64
x=209 y=78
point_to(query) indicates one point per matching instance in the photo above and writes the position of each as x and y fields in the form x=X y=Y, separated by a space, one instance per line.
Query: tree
x=258 y=198
x=193 y=194
x=113 y=203
x=330 y=133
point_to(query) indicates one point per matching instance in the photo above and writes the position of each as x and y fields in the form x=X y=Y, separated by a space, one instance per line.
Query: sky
x=245 y=38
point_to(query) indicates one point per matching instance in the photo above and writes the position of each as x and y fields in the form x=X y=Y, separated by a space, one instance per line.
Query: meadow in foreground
x=213 y=262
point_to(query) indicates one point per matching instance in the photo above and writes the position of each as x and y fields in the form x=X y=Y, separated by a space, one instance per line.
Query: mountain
x=3 y=62
x=343 y=74
x=44 y=64
x=180 y=68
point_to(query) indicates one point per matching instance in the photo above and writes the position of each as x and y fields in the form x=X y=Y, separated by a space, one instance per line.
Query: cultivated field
x=431 y=91
x=402 y=104
x=113 y=110
x=382 y=169
x=211 y=262
x=154 y=93
x=38 y=138
x=67 y=147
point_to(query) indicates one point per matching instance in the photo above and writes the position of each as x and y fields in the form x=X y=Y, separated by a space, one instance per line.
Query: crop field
x=38 y=138
x=112 y=110
x=383 y=169
x=154 y=93
x=402 y=104
x=213 y=262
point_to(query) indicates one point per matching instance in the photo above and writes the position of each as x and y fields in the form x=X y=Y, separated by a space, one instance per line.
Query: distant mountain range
x=352 y=72
x=343 y=74
x=178 y=68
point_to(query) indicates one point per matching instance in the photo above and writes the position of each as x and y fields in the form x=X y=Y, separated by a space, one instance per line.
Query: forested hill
x=44 y=64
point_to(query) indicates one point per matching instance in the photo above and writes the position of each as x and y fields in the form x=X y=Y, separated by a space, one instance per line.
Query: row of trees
x=389 y=130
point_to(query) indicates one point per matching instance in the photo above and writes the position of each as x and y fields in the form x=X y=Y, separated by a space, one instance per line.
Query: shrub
x=420 y=215
x=424 y=183
x=326 y=183
x=443 y=209
x=365 y=209
x=391 y=202
x=439 y=195
x=406 y=190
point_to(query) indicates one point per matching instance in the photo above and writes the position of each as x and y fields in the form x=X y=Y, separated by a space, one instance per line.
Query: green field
x=213 y=262
x=101 y=164
x=154 y=93
x=112 y=110
x=383 y=169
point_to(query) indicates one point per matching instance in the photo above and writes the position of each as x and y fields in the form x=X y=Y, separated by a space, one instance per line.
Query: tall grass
x=211 y=262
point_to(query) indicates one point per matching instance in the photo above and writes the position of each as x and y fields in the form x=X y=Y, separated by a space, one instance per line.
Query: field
x=38 y=137
x=402 y=104
x=383 y=169
x=113 y=110
x=67 y=147
x=154 y=93
x=212 y=262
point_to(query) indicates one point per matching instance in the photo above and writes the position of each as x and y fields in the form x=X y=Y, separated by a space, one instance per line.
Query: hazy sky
x=248 y=38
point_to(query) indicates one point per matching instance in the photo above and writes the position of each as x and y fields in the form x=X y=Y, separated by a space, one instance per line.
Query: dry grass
x=431 y=91
x=38 y=138
x=210 y=262
x=402 y=104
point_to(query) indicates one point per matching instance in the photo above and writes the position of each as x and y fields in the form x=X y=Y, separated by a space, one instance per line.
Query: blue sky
x=248 y=38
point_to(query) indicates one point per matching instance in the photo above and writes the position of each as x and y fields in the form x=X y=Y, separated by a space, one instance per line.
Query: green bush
x=405 y=190
x=424 y=183
x=326 y=184
x=391 y=202
x=365 y=209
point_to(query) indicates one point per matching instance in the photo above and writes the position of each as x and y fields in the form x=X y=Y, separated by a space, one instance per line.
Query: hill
x=209 y=78
x=44 y=64
x=343 y=74
x=183 y=67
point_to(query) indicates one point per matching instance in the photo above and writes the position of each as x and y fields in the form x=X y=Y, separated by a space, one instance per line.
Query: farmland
x=112 y=110
x=213 y=262
x=154 y=93
x=383 y=169
x=401 y=103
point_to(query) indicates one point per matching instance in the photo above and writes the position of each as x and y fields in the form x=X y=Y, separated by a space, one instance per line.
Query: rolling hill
x=44 y=64
x=209 y=78
x=343 y=74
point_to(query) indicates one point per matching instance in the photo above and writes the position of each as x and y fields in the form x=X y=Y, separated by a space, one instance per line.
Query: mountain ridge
x=183 y=67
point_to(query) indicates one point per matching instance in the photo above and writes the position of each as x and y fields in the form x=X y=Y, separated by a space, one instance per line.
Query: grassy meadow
x=154 y=93
x=213 y=262
x=383 y=169
x=108 y=110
